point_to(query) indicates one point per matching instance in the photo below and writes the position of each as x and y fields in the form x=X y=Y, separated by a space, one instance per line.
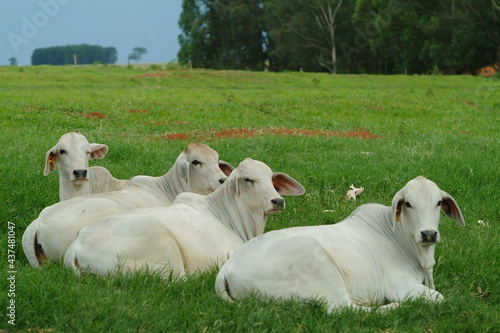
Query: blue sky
x=26 y=25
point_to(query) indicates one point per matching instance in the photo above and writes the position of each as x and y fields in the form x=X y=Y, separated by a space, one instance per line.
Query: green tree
x=223 y=34
x=287 y=22
x=303 y=33
x=13 y=61
x=194 y=37
x=486 y=16
x=415 y=36
x=372 y=36
x=236 y=28
x=64 y=55
x=325 y=15
x=137 y=54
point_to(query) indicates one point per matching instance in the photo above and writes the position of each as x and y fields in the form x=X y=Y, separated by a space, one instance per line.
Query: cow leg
x=421 y=291
x=413 y=292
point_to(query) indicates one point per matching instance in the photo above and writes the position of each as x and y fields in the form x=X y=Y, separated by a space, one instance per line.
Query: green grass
x=444 y=127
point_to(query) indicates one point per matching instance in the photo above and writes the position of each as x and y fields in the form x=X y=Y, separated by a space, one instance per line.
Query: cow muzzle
x=429 y=237
x=80 y=176
x=278 y=204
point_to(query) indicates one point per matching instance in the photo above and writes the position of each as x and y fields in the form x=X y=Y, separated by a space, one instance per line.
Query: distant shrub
x=435 y=70
x=172 y=65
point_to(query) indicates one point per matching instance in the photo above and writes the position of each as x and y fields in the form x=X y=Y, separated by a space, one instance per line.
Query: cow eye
x=407 y=204
x=196 y=162
x=62 y=151
x=248 y=180
x=439 y=203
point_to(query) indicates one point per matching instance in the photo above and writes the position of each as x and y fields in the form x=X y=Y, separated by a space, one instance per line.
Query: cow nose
x=80 y=173
x=222 y=180
x=278 y=202
x=429 y=236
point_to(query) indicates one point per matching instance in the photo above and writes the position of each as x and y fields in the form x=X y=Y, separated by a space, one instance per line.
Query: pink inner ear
x=99 y=152
x=451 y=209
x=285 y=185
x=226 y=168
x=50 y=163
x=446 y=207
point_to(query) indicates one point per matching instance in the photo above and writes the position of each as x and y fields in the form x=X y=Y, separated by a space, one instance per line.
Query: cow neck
x=67 y=190
x=424 y=255
x=234 y=214
x=170 y=184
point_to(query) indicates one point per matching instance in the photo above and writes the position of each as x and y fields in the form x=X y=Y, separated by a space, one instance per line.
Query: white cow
x=76 y=178
x=197 y=169
x=194 y=234
x=378 y=254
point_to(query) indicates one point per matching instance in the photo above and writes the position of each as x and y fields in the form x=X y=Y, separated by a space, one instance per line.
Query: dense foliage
x=64 y=55
x=348 y=36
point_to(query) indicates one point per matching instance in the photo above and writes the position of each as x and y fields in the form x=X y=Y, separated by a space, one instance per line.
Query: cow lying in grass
x=72 y=153
x=194 y=234
x=197 y=169
x=378 y=254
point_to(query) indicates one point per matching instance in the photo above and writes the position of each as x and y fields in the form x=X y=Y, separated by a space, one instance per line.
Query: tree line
x=341 y=36
x=64 y=55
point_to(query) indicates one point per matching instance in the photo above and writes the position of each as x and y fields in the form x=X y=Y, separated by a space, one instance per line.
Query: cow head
x=255 y=185
x=73 y=152
x=417 y=206
x=201 y=170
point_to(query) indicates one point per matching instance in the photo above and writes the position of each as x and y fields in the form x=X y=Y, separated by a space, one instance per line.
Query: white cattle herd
x=203 y=213
x=197 y=169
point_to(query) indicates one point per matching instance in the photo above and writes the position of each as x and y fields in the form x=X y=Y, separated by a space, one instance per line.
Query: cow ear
x=397 y=206
x=50 y=161
x=450 y=208
x=226 y=168
x=286 y=185
x=98 y=151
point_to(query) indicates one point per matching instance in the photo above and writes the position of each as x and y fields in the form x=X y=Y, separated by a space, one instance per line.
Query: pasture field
x=327 y=132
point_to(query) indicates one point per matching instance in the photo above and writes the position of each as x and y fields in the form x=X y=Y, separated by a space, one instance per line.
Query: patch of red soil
x=95 y=115
x=178 y=136
x=236 y=133
x=150 y=75
x=248 y=132
x=137 y=111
